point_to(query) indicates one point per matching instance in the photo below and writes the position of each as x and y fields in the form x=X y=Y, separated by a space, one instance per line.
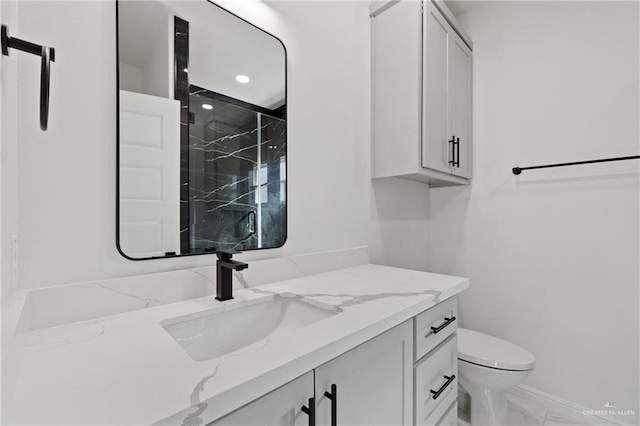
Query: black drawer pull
x=333 y=396
x=437 y=393
x=310 y=411
x=447 y=321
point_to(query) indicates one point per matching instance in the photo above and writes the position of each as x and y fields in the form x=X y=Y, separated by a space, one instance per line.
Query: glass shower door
x=237 y=175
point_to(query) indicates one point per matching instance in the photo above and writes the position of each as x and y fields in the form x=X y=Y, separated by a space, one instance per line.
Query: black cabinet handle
x=456 y=145
x=47 y=54
x=310 y=411
x=333 y=396
x=447 y=321
x=453 y=151
x=437 y=393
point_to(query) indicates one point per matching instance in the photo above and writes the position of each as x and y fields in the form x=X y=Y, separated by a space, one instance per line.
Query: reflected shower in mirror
x=202 y=131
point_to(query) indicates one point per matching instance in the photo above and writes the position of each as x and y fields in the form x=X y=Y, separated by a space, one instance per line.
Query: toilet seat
x=489 y=351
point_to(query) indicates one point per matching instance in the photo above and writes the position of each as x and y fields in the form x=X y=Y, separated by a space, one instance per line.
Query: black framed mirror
x=202 y=131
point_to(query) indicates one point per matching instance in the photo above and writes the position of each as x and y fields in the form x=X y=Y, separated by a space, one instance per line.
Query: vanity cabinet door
x=373 y=382
x=281 y=407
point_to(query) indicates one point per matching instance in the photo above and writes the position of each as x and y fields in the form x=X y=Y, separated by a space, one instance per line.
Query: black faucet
x=224 y=274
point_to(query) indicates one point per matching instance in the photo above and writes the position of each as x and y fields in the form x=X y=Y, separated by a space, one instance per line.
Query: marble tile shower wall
x=49 y=307
x=236 y=176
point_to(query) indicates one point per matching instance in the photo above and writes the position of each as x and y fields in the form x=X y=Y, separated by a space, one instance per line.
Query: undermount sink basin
x=210 y=334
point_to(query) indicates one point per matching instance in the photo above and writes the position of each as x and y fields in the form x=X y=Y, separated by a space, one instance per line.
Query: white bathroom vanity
x=366 y=334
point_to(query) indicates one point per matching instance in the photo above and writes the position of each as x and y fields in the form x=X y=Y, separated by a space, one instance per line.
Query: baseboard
x=569 y=409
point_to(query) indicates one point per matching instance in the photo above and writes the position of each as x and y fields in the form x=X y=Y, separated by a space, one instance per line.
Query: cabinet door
x=281 y=407
x=460 y=102
x=374 y=382
x=435 y=125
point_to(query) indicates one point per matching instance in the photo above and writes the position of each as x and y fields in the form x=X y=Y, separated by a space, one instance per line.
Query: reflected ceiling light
x=207 y=106
x=242 y=79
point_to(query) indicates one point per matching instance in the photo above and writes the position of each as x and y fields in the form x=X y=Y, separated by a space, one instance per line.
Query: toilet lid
x=492 y=352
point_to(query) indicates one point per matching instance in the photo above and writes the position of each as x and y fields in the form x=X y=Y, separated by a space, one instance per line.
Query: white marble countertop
x=126 y=369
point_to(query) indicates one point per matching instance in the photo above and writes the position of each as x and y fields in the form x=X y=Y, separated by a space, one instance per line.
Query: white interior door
x=149 y=175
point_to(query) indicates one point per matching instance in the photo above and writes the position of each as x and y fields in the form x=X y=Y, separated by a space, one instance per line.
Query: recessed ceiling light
x=207 y=106
x=242 y=79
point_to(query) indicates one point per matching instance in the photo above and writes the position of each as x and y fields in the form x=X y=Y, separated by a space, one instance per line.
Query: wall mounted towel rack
x=48 y=55
x=518 y=170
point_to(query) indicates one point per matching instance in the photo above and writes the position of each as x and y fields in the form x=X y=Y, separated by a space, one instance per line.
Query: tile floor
x=526 y=413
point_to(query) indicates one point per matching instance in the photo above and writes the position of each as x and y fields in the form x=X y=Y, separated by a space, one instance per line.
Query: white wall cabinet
x=421 y=103
x=384 y=381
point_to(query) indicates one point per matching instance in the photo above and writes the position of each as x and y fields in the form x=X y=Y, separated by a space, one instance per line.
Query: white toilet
x=488 y=367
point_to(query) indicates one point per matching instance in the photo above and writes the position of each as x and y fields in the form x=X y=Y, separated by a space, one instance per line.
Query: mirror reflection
x=202 y=131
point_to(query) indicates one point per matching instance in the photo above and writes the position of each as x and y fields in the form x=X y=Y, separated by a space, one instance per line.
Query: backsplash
x=50 y=307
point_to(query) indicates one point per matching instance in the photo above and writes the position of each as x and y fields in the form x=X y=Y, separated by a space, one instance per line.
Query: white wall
x=67 y=175
x=552 y=255
x=8 y=155
x=158 y=70
x=400 y=223
x=130 y=77
x=8 y=206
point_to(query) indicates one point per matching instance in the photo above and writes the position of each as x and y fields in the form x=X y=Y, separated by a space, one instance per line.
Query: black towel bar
x=518 y=170
x=48 y=55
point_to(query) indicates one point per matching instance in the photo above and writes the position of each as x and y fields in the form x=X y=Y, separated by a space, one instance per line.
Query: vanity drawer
x=436 y=382
x=434 y=325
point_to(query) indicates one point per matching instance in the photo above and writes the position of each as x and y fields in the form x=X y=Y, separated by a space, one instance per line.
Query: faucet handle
x=226 y=254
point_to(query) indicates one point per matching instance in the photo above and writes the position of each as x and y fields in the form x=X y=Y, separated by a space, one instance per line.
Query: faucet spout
x=224 y=273
x=233 y=265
